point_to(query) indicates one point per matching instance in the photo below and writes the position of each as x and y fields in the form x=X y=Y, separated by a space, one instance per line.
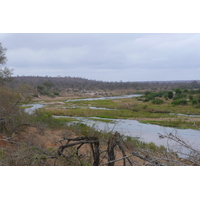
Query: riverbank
x=165 y=114
x=85 y=94
x=38 y=146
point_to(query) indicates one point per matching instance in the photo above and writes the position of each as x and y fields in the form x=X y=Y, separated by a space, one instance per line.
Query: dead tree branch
x=113 y=161
x=93 y=141
x=114 y=141
x=147 y=158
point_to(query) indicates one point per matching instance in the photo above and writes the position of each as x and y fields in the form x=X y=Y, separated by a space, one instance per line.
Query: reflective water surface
x=146 y=132
x=105 y=98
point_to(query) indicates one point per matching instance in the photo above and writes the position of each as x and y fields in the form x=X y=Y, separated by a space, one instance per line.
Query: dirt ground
x=49 y=139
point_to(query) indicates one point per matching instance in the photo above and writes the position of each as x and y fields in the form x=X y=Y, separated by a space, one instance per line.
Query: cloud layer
x=108 y=57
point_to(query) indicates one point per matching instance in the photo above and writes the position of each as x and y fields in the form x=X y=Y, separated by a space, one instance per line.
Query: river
x=104 y=98
x=145 y=132
x=133 y=128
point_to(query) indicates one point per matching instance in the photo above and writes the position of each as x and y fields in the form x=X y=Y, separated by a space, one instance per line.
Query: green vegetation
x=95 y=103
x=110 y=114
x=24 y=107
x=175 y=123
x=47 y=88
x=179 y=102
x=102 y=120
x=65 y=119
x=157 y=101
x=142 y=108
x=50 y=121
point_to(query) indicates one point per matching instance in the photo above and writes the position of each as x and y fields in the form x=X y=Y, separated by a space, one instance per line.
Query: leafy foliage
x=179 y=102
x=157 y=101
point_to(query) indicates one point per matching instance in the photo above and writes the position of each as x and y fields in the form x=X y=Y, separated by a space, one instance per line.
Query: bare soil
x=49 y=139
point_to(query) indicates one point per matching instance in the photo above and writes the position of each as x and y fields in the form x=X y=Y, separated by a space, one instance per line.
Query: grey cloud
x=113 y=57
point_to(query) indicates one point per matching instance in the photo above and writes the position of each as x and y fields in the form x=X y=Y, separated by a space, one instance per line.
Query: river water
x=133 y=128
x=145 y=132
x=104 y=98
x=33 y=108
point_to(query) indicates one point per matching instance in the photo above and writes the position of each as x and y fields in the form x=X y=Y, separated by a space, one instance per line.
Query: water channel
x=104 y=98
x=133 y=128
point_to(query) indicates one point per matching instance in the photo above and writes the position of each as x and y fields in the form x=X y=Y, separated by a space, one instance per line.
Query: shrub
x=40 y=87
x=179 y=102
x=191 y=97
x=178 y=91
x=179 y=96
x=170 y=95
x=194 y=102
x=157 y=101
x=56 y=93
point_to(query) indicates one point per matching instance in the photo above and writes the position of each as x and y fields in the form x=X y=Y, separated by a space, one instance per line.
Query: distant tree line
x=57 y=84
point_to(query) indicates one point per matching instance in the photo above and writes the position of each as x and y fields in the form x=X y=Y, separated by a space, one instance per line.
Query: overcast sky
x=107 y=57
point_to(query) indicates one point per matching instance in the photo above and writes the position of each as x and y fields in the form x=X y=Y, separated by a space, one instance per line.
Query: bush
x=178 y=91
x=179 y=96
x=149 y=97
x=157 y=101
x=179 y=102
x=56 y=93
x=194 y=102
x=191 y=97
x=170 y=95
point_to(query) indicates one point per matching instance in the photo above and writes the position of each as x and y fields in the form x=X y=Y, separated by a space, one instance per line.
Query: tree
x=5 y=73
x=170 y=94
x=178 y=91
x=8 y=109
x=3 y=58
x=10 y=97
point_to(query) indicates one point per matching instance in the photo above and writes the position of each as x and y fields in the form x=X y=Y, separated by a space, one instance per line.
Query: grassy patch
x=102 y=120
x=94 y=103
x=112 y=114
x=66 y=119
x=24 y=107
x=129 y=108
x=49 y=120
x=176 y=123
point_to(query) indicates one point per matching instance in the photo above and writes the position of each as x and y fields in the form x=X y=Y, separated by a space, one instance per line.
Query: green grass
x=129 y=108
x=94 y=103
x=138 y=106
x=111 y=114
x=177 y=123
x=50 y=121
x=66 y=119
x=102 y=120
x=24 y=107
